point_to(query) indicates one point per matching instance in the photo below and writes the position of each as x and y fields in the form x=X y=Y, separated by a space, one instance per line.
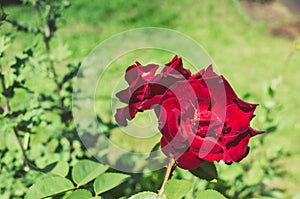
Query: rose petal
x=206 y=145
x=136 y=71
x=238 y=122
x=254 y=132
x=236 y=150
x=200 y=116
x=198 y=75
x=175 y=67
x=246 y=107
x=188 y=161
x=209 y=72
x=169 y=124
x=173 y=149
x=124 y=95
x=121 y=115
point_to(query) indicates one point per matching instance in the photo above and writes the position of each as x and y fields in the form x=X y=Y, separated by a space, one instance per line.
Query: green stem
x=8 y=109
x=26 y=160
x=167 y=176
x=7 y=106
x=46 y=37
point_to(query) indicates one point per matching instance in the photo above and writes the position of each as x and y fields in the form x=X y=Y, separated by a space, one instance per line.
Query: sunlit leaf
x=147 y=194
x=176 y=189
x=85 y=171
x=108 y=181
x=210 y=194
x=49 y=186
x=80 y=194
x=61 y=168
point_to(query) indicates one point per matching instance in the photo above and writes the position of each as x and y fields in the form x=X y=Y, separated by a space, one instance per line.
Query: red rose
x=200 y=116
x=145 y=88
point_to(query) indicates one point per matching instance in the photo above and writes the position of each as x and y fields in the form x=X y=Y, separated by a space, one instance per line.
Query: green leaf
x=61 y=169
x=49 y=186
x=4 y=44
x=156 y=147
x=176 y=189
x=80 y=193
x=61 y=52
x=210 y=194
x=147 y=194
x=85 y=171
x=206 y=171
x=108 y=181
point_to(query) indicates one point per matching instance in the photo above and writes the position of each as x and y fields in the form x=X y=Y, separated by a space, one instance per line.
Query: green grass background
x=243 y=50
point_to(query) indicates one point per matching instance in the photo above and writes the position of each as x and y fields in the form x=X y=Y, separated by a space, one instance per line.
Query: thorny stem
x=167 y=176
x=8 y=109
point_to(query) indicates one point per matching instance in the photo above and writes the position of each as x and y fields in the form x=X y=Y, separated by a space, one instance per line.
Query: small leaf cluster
x=56 y=183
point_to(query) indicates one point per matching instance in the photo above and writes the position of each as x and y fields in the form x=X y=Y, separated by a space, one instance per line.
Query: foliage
x=37 y=127
x=39 y=146
x=83 y=172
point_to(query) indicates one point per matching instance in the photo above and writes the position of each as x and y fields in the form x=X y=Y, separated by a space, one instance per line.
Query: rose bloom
x=200 y=116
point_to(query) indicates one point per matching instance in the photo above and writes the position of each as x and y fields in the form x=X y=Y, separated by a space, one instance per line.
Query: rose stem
x=167 y=176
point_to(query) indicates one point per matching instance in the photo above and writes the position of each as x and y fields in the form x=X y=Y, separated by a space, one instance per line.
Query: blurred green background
x=254 y=45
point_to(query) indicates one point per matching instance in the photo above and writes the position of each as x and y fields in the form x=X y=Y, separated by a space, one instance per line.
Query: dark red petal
x=122 y=115
x=201 y=92
x=211 y=157
x=169 y=103
x=198 y=75
x=230 y=94
x=187 y=132
x=237 y=149
x=254 y=132
x=167 y=149
x=154 y=90
x=206 y=146
x=188 y=161
x=220 y=89
x=137 y=71
x=238 y=122
x=174 y=59
x=124 y=95
x=149 y=103
x=131 y=74
x=174 y=67
x=169 y=124
x=132 y=109
x=202 y=130
x=248 y=108
x=147 y=72
x=138 y=94
x=173 y=149
x=209 y=72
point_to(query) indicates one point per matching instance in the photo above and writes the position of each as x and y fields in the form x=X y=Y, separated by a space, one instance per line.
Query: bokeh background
x=254 y=43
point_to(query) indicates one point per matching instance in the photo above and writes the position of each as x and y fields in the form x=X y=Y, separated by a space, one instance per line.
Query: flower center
x=196 y=118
